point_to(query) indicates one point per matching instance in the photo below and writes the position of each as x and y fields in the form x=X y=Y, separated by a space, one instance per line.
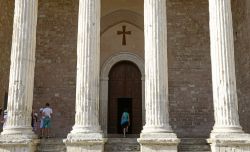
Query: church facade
x=172 y=64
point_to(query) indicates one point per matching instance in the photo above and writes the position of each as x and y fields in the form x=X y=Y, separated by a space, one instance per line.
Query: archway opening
x=125 y=92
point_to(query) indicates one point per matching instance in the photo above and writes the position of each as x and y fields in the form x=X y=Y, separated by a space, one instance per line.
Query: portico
x=89 y=131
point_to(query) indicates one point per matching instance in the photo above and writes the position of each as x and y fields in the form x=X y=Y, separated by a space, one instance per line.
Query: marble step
x=194 y=145
x=125 y=145
x=122 y=145
x=51 y=145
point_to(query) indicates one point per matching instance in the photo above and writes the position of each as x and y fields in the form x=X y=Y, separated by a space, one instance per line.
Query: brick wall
x=55 y=71
x=190 y=88
x=241 y=18
x=6 y=24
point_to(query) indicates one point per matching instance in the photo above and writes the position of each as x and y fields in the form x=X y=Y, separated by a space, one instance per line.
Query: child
x=41 y=122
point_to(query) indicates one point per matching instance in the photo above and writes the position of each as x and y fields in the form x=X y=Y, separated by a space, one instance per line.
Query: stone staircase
x=122 y=145
x=130 y=144
x=194 y=145
x=51 y=145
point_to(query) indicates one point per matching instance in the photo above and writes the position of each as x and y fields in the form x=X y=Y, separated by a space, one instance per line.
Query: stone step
x=122 y=145
x=125 y=145
x=112 y=145
x=51 y=145
x=194 y=145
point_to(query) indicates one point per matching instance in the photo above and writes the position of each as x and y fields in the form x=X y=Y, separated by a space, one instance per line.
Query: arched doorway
x=125 y=91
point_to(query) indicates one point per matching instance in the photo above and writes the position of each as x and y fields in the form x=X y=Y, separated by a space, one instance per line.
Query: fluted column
x=157 y=133
x=88 y=58
x=156 y=69
x=17 y=134
x=21 y=80
x=223 y=67
x=86 y=134
x=227 y=134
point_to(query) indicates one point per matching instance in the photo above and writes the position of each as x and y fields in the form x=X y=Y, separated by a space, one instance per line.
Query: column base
x=158 y=142
x=27 y=131
x=17 y=143
x=234 y=129
x=229 y=142
x=83 y=142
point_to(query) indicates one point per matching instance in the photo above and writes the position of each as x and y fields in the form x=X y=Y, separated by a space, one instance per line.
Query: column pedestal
x=83 y=142
x=158 y=142
x=18 y=143
x=229 y=142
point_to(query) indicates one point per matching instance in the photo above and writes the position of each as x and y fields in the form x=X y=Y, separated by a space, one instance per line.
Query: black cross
x=123 y=32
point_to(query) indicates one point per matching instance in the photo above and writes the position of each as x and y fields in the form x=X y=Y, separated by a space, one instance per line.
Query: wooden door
x=125 y=83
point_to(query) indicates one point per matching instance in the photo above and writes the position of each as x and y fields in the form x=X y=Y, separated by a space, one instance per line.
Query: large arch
x=120 y=16
x=104 y=78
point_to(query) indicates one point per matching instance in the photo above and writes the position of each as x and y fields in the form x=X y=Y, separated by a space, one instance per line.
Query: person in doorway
x=47 y=112
x=125 y=122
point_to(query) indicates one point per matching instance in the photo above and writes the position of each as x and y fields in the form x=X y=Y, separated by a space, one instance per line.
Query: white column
x=87 y=129
x=157 y=133
x=156 y=69
x=223 y=67
x=88 y=65
x=227 y=134
x=22 y=68
x=17 y=135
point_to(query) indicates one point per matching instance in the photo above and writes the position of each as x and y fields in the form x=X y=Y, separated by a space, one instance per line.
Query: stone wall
x=6 y=24
x=55 y=72
x=190 y=85
x=241 y=16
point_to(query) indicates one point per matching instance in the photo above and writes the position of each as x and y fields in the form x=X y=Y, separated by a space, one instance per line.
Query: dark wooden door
x=125 y=83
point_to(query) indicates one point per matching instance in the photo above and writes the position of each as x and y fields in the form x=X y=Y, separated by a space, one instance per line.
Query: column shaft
x=157 y=135
x=22 y=68
x=88 y=66
x=156 y=69
x=223 y=67
x=86 y=134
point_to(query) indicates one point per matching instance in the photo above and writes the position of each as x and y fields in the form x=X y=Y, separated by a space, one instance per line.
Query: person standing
x=47 y=112
x=125 y=122
x=41 y=115
x=5 y=115
x=33 y=120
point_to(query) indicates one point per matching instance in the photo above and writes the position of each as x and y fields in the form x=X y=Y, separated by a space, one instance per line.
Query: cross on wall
x=124 y=32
